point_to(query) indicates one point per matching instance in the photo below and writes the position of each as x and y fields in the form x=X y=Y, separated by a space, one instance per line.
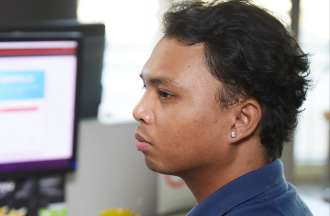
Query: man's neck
x=204 y=181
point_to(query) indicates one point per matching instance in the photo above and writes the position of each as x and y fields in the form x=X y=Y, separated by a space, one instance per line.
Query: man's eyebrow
x=157 y=80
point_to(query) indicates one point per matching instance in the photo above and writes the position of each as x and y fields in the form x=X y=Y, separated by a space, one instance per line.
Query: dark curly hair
x=253 y=55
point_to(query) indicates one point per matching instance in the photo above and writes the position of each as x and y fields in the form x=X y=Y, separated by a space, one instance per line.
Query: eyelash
x=163 y=95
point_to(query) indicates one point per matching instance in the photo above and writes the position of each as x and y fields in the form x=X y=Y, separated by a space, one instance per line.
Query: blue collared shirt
x=263 y=192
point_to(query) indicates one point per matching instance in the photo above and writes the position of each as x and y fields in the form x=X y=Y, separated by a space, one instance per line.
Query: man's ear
x=247 y=117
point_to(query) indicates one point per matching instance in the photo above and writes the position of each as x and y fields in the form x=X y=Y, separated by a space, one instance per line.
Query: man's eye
x=164 y=94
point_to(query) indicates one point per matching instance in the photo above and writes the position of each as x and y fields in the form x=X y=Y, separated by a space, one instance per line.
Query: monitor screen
x=38 y=82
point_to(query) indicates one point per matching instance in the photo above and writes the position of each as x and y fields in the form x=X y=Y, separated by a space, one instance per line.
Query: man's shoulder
x=274 y=202
x=263 y=192
x=270 y=210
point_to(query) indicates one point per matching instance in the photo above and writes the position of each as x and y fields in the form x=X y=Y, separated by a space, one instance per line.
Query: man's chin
x=160 y=169
x=153 y=166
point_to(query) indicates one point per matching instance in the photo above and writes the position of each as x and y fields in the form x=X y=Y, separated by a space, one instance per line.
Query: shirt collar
x=241 y=189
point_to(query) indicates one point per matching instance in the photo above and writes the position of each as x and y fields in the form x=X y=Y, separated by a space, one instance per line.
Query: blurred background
x=110 y=172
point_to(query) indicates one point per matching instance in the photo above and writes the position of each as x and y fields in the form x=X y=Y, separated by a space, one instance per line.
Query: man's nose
x=143 y=111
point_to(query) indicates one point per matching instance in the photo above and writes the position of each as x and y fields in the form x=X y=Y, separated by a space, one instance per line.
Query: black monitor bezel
x=50 y=36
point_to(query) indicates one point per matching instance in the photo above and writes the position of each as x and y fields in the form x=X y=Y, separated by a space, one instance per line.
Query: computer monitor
x=93 y=43
x=38 y=96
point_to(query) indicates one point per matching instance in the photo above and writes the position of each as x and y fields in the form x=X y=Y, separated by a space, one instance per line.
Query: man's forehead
x=172 y=47
x=159 y=78
x=177 y=64
x=171 y=57
x=159 y=70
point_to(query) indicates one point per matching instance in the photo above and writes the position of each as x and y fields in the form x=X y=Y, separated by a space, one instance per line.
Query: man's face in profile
x=181 y=125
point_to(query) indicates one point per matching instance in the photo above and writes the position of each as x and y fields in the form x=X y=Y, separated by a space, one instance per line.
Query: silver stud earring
x=233 y=134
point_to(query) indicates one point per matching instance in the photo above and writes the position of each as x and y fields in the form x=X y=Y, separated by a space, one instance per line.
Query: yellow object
x=4 y=211
x=118 y=212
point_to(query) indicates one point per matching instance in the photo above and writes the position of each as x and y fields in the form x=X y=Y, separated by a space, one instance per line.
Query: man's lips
x=141 y=143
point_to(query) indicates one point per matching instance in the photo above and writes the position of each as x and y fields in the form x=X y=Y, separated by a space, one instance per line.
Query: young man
x=223 y=89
